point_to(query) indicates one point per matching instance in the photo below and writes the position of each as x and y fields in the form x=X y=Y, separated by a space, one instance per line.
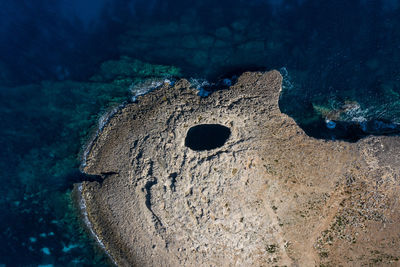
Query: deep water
x=64 y=65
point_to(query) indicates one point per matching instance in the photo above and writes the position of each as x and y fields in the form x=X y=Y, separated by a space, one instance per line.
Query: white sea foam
x=198 y=83
x=104 y=119
x=139 y=89
x=82 y=206
x=356 y=114
x=286 y=79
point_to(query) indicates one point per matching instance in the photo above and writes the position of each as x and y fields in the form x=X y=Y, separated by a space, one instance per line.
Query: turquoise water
x=62 y=72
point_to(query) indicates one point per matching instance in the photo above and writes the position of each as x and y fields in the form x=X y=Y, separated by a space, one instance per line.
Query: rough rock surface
x=270 y=195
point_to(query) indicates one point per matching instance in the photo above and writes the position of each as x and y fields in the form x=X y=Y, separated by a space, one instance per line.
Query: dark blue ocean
x=66 y=64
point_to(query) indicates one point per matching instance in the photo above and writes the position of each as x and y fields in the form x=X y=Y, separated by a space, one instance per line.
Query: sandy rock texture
x=270 y=196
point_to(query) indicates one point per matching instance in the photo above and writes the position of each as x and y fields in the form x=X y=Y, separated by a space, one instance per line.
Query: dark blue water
x=64 y=64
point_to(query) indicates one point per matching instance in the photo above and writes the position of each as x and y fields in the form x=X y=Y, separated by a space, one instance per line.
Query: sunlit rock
x=266 y=194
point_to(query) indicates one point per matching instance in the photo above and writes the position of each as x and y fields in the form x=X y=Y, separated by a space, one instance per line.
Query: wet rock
x=266 y=194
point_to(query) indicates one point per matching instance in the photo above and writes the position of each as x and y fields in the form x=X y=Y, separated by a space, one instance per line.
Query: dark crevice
x=73 y=177
x=147 y=190
x=105 y=174
x=173 y=176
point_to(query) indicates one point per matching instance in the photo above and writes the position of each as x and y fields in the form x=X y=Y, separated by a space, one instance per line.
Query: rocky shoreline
x=80 y=204
x=269 y=195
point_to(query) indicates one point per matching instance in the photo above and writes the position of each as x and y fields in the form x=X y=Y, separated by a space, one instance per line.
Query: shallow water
x=62 y=71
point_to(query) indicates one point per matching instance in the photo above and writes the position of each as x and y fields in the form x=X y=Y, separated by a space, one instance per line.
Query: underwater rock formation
x=267 y=194
x=40 y=144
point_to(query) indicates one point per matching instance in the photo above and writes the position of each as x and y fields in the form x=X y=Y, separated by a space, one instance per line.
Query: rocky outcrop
x=267 y=195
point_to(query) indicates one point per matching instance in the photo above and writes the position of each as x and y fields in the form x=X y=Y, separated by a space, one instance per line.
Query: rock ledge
x=268 y=195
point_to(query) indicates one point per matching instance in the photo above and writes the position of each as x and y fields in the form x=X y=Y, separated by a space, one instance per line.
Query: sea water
x=65 y=72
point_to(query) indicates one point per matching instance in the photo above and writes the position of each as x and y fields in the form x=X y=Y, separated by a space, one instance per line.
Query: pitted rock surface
x=270 y=195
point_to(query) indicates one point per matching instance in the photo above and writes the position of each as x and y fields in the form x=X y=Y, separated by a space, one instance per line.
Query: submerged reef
x=46 y=126
x=262 y=193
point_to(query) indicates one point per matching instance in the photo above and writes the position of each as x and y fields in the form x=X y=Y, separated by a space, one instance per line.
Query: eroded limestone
x=270 y=195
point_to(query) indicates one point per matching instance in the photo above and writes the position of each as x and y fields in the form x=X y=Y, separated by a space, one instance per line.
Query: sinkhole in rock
x=207 y=136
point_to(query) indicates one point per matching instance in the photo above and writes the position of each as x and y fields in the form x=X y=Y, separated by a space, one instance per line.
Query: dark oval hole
x=207 y=136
